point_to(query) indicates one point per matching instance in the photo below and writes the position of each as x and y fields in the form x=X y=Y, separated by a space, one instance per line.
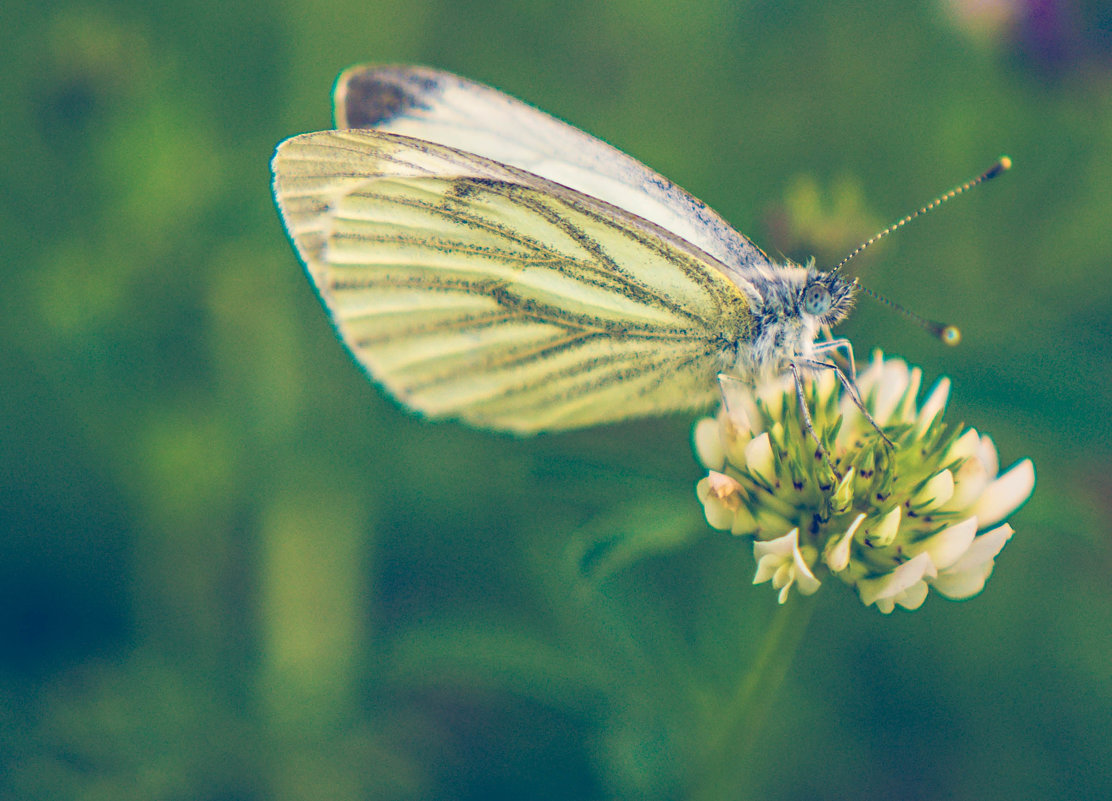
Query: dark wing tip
x=371 y=96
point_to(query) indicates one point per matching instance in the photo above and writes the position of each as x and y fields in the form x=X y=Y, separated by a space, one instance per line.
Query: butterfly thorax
x=794 y=304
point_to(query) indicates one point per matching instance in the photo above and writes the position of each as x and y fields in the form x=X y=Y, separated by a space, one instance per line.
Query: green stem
x=729 y=750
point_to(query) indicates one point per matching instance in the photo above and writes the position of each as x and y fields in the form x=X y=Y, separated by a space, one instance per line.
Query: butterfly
x=487 y=262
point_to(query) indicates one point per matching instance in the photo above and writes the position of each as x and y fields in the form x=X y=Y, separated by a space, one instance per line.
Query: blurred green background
x=231 y=569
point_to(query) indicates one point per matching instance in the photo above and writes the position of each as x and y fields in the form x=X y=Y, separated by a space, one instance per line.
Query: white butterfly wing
x=474 y=290
x=441 y=107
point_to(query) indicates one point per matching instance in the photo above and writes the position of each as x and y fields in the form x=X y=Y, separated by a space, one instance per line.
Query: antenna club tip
x=1003 y=164
x=950 y=334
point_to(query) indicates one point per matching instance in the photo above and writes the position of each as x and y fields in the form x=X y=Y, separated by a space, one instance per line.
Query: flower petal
x=770 y=554
x=720 y=500
x=805 y=580
x=707 y=438
x=987 y=452
x=837 y=551
x=947 y=546
x=726 y=489
x=872 y=374
x=782 y=561
x=885 y=605
x=743 y=522
x=966 y=584
x=933 y=405
x=905 y=411
x=1006 y=494
x=892 y=584
x=759 y=459
x=967 y=576
x=912 y=598
x=934 y=493
x=965 y=446
x=970 y=481
x=781 y=546
x=717 y=514
x=884 y=533
x=890 y=389
x=736 y=396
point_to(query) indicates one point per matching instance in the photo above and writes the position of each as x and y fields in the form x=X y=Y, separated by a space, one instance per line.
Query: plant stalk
x=729 y=750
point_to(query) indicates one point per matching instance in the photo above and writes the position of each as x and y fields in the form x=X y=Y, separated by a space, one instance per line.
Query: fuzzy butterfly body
x=487 y=262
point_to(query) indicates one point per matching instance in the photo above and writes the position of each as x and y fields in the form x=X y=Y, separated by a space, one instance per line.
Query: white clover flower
x=893 y=523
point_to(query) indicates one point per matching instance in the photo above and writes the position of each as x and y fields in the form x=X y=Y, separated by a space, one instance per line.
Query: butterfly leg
x=842 y=346
x=851 y=389
x=808 y=424
x=727 y=386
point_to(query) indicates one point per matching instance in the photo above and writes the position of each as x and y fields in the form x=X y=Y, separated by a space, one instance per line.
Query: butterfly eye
x=816 y=300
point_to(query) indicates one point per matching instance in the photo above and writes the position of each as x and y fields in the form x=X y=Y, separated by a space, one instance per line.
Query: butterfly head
x=796 y=302
x=826 y=297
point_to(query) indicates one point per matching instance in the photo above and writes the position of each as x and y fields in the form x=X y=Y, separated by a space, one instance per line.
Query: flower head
x=892 y=522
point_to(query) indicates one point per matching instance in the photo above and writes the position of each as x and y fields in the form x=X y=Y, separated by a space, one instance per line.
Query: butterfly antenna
x=949 y=334
x=1002 y=164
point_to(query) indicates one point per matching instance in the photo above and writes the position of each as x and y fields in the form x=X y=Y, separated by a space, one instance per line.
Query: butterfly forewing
x=437 y=106
x=476 y=290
